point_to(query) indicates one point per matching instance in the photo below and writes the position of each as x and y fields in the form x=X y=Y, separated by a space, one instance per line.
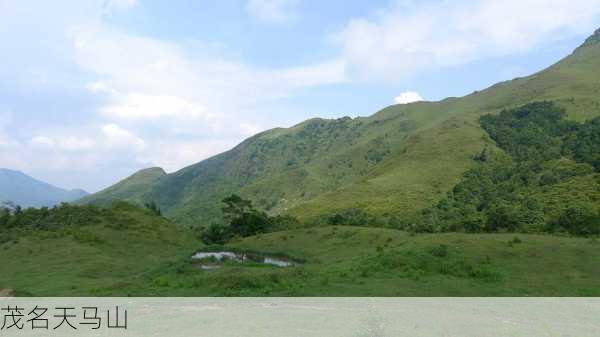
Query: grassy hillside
x=151 y=258
x=399 y=161
x=131 y=189
x=86 y=251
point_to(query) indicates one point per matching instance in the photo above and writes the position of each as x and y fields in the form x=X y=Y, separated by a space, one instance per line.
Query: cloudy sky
x=93 y=90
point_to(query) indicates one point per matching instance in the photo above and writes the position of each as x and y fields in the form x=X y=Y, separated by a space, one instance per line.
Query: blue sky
x=93 y=90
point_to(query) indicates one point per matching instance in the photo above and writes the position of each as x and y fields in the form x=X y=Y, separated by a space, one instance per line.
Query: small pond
x=213 y=260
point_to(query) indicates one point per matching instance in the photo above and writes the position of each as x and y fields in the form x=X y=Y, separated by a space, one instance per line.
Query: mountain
x=131 y=189
x=23 y=190
x=399 y=161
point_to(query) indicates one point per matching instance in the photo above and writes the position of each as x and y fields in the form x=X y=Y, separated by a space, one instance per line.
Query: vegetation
x=506 y=193
x=243 y=221
x=152 y=258
x=153 y=207
x=398 y=161
x=85 y=250
x=521 y=156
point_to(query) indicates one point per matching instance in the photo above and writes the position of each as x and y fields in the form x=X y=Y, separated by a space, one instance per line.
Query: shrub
x=440 y=251
x=216 y=234
x=578 y=220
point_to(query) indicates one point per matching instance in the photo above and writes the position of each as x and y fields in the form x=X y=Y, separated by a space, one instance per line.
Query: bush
x=153 y=207
x=578 y=220
x=284 y=222
x=503 y=217
x=440 y=251
x=216 y=234
x=354 y=217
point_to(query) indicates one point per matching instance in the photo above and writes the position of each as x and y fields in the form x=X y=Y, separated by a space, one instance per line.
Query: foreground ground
x=152 y=259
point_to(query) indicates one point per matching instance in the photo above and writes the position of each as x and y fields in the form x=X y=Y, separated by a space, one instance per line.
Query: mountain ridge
x=26 y=191
x=397 y=161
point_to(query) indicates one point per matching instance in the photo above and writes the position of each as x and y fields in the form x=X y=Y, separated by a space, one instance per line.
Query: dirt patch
x=7 y=293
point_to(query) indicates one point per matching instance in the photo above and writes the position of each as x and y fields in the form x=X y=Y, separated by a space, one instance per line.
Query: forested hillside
x=549 y=181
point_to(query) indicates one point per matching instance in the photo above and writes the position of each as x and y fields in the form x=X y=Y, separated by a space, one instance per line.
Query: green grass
x=102 y=257
x=132 y=189
x=152 y=259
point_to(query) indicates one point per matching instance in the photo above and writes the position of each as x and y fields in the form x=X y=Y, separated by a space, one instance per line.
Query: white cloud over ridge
x=408 y=97
x=120 y=138
x=159 y=86
x=404 y=40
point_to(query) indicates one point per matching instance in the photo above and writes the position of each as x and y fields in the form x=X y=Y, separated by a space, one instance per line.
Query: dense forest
x=507 y=190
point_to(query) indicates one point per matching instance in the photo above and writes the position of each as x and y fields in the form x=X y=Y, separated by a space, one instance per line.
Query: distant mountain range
x=25 y=191
x=399 y=161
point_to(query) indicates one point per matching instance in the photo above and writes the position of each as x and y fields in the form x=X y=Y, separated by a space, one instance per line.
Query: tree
x=244 y=220
x=235 y=206
x=4 y=217
x=580 y=219
x=216 y=234
x=585 y=144
x=17 y=217
x=152 y=206
x=502 y=216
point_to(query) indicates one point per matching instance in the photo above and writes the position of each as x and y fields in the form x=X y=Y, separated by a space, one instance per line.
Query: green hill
x=399 y=161
x=131 y=189
x=86 y=250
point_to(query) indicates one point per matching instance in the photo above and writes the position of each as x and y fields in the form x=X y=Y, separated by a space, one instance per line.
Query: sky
x=93 y=90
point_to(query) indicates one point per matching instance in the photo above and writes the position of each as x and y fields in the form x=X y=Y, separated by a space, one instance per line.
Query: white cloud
x=112 y=5
x=272 y=11
x=76 y=144
x=408 y=97
x=42 y=142
x=158 y=82
x=173 y=155
x=99 y=87
x=136 y=106
x=120 y=138
x=404 y=39
x=249 y=129
x=68 y=143
x=332 y=72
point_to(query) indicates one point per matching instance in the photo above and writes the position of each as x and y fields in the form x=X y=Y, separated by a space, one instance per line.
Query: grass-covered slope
x=399 y=161
x=153 y=260
x=85 y=250
x=131 y=189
